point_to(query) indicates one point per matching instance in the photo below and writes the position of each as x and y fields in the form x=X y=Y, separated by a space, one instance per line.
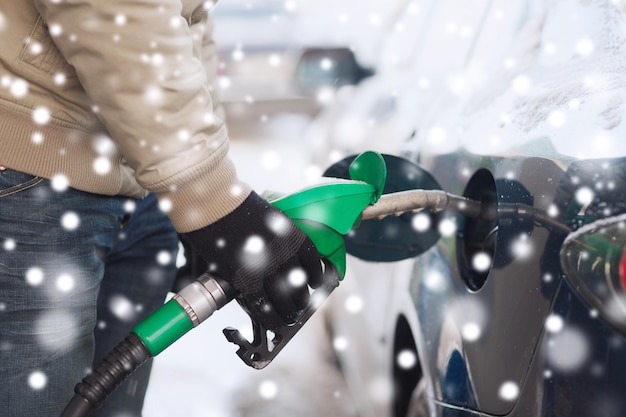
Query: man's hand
x=267 y=259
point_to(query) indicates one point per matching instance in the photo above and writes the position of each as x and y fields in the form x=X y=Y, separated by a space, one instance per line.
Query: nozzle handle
x=266 y=343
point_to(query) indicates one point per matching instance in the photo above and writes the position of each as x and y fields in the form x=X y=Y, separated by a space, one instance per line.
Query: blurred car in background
x=518 y=106
x=261 y=44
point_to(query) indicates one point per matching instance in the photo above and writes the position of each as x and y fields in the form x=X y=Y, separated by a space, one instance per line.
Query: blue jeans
x=77 y=272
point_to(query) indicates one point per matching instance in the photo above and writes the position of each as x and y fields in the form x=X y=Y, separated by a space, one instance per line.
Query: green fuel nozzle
x=325 y=212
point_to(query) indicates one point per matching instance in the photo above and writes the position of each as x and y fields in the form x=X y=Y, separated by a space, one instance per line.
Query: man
x=105 y=108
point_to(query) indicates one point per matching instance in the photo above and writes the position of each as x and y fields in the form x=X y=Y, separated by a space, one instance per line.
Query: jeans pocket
x=12 y=182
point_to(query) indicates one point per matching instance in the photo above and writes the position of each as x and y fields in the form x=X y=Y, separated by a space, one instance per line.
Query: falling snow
x=268 y=390
x=471 y=332
x=435 y=281
x=254 y=245
x=37 y=380
x=41 y=115
x=508 y=391
x=522 y=247
x=70 y=221
x=165 y=205
x=57 y=330
x=421 y=222
x=122 y=307
x=65 y=283
x=554 y=323
x=481 y=261
x=354 y=304
x=340 y=343
x=447 y=227
x=9 y=245
x=406 y=359
x=297 y=277
x=34 y=276
x=568 y=350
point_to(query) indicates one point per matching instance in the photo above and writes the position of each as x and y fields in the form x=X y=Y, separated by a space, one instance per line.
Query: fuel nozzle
x=324 y=213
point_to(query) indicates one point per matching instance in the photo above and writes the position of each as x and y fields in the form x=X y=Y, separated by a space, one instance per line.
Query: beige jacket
x=115 y=96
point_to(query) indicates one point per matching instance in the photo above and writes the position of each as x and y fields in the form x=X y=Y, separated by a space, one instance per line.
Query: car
x=516 y=307
x=260 y=45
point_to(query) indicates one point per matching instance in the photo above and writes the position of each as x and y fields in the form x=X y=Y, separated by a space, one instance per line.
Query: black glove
x=266 y=258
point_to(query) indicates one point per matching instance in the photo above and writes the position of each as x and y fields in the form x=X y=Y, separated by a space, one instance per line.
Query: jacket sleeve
x=210 y=57
x=140 y=63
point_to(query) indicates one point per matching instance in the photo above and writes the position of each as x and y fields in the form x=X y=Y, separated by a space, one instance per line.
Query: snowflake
x=508 y=391
x=435 y=281
x=129 y=206
x=436 y=135
x=421 y=222
x=553 y=210
x=278 y=224
x=37 y=380
x=65 y=283
x=471 y=332
x=9 y=244
x=34 y=276
x=41 y=115
x=521 y=247
x=165 y=205
x=584 y=196
x=19 y=88
x=57 y=330
x=291 y=6
x=268 y=389
x=568 y=350
x=554 y=323
x=238 y=54
x=254 y=245
x=59 y=78
x=297 y=277
x=120 y=19
x=354 y=304
x=447 y=227
x=102 y=165
x=164 y=257
x=70 y=221
x=556 y=118
x=154 y=94
x=340 y=343
x=37 y=138
x=122 y=307
x=406 y=359
x=55 y=29
x=59 y=183
x=481 y=261
x=236 y=190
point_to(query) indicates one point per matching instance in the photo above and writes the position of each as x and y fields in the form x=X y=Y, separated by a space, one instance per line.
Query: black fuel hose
x=114 y=368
